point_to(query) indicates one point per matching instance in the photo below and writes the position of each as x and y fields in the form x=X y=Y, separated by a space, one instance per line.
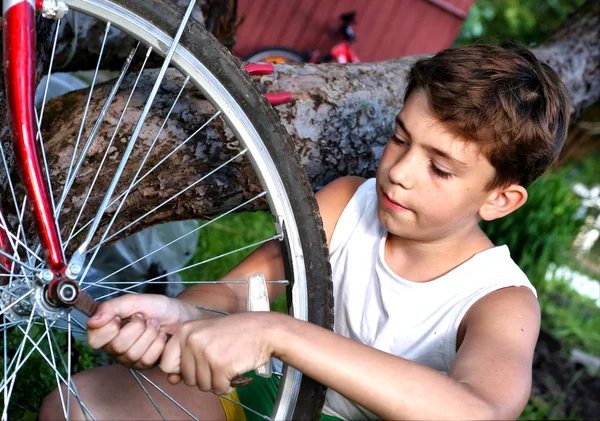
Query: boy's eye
x=397 y=140
x=438 y=172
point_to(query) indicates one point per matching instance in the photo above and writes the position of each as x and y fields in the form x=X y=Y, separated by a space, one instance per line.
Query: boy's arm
x=332 y=200
x=490 y=377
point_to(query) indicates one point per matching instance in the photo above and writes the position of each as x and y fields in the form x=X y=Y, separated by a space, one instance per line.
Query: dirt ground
x=566 y=388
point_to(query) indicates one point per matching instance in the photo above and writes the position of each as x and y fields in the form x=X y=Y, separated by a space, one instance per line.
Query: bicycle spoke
x=278 y=236
x=148 y=172
x=6 y=379
x=87 y=106
x=64 y=329
x=166 y=395
x=41 y=116
x=19 y=262
x=5 y=365
x=62 y=398
x=16 y=302
x=71 y=382
x=18 y=360
x=6 y=326
x=15 y=239
x=264 y=417
x=107 y=151
x=104 y=241
x=147 y=394
x=212 y=310
x=57 y=373
x=45 y=161
x=187 y=282
x=12 y=189
x=180 y=237
x=92 y=230
x=69 y=181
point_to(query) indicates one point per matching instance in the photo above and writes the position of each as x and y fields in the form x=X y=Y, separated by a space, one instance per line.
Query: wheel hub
x=19 y=302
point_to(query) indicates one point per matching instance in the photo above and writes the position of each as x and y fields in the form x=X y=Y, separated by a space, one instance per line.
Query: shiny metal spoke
x=81 y=251
x=16 y=302
x=201 y=179
x=53 y=365
x=165 y=394
x=180 y=237
x=75 y=393
x=19 y=262
x=107 y=151
x=49 y=182
x=18 y=242
x=55 y=369
x=186 y=282
x=147 y=394
x=15 y=239
x=87 y=107
x=116 y=200
x=264 y=417
x=113 y=92
x=12 y=190
x=61 y=328
x=18 y=361
x=275 y=237
x=41 y=116
x=5 y=326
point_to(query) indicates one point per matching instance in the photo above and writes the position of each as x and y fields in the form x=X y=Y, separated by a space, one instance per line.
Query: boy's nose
x=402 y=172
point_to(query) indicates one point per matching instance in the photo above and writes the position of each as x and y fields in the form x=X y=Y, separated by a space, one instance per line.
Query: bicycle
x=341 y=52
x=73 y=190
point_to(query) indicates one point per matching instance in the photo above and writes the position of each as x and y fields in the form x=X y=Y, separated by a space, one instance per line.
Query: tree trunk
x=339 y=120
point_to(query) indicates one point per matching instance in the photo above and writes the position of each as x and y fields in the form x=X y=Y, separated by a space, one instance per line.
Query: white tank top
x=417 y=321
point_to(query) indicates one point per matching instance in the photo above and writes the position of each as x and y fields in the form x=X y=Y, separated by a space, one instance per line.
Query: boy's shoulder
x=333 y=198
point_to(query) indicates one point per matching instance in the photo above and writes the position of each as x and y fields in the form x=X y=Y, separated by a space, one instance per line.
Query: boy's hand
x=209 y=354
x=139 y=343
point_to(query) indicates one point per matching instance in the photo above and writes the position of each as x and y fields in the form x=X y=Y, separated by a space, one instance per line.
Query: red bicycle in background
x=191 y=139
x=341 y=52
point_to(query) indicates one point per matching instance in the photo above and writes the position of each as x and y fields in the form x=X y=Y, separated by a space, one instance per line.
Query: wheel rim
x=240 y=125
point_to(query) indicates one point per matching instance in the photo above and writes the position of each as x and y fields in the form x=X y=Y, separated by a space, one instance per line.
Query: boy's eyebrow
x=433 y=149
x=401 y=124
x=444 y=154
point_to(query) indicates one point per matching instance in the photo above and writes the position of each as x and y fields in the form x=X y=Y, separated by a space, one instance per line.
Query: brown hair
x=504 y=99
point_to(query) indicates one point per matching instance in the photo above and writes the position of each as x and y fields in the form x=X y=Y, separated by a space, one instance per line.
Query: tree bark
x=339 y=121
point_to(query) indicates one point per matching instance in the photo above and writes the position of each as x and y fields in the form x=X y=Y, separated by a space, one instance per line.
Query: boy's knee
x=51 y=408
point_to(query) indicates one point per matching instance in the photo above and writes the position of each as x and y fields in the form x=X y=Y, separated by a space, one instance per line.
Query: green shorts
x=260 y=397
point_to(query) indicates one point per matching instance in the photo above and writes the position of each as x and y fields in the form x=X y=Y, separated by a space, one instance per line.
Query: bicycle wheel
x=276 y=55
x=207 y=148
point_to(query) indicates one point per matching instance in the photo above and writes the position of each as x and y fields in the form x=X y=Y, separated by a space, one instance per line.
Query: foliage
x=525 y=21
x=572 y=318
x=542 y=230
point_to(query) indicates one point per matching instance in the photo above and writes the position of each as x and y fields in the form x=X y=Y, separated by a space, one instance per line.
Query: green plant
x=572 y=318
x=525 y=21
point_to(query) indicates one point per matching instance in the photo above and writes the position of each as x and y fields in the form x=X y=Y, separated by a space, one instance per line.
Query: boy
x=431 y=320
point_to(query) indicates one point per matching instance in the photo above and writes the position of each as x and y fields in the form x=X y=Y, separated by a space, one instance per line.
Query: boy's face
x=430 y=182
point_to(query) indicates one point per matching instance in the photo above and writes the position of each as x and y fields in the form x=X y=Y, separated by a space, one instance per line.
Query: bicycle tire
x=228 y=73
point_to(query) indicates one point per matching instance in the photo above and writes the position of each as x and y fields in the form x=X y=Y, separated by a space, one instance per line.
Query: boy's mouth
x=391 y=205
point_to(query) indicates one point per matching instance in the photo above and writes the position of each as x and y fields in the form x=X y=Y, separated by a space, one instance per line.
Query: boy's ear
x=503 y=201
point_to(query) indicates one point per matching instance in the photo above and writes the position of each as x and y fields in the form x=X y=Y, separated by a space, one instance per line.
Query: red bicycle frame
x=20 y=80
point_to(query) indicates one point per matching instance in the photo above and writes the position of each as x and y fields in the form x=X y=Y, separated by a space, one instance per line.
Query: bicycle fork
x=18 y=32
